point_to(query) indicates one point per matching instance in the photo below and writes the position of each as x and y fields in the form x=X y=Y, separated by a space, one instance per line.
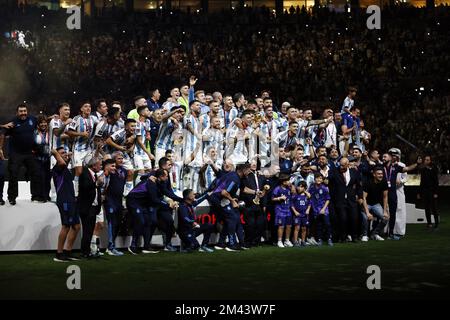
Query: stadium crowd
x=400 y=69
x=294 y=160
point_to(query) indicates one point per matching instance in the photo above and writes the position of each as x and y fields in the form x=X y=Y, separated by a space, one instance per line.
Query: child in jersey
x=300 y=207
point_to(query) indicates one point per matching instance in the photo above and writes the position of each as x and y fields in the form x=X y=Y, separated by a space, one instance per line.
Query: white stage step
x=35 y=226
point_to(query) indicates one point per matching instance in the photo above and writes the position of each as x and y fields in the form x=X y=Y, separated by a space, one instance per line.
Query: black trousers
x=392 y=203
x=2 y=178
x=254 y=218
x=45 y=177
x=430 y=204
x=16 y=161
x=87 y=216
x=165 y=224
x=188 y=237
x=347 y=219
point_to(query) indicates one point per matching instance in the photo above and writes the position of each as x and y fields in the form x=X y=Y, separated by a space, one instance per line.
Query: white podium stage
x=35 y=226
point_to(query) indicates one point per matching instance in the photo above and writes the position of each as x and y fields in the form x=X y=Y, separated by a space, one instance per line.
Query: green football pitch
x=418 y=266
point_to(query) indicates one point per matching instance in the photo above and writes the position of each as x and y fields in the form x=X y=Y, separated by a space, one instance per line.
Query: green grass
x=416 y=267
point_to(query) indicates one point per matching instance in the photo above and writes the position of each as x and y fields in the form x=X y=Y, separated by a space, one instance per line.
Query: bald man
x=346 y=192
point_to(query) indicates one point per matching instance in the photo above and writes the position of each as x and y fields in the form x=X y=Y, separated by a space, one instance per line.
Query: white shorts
x=78 y=157
x=100 y=217
x=127 y=164
x=142 y=162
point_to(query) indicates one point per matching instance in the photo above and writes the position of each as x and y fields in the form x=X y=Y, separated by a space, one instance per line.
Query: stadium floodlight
x=421 y=88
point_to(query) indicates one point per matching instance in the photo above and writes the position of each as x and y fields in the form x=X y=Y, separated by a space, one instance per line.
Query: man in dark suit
x=346 y=191
x=89 y=203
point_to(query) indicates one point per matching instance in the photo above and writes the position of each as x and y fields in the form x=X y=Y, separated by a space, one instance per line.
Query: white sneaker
x=313 y=241
x=145 y=251
x=365 y=238
x=349 y=238
x=280 y=244
x=288 y=243
x=378 y=238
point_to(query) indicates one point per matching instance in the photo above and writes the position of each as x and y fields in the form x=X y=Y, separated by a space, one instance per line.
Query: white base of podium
x=35 y=226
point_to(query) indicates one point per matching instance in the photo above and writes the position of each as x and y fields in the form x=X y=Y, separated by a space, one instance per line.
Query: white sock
x=94 y=244
x=75 y=185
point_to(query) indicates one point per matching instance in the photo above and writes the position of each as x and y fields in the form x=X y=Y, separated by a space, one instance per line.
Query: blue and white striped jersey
x=141 y=131
x=104 y=130
x=348 y=103
x=229 y=116
x=191 y=140
x=165 y=140
x=56 y=141
x=80 y=124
